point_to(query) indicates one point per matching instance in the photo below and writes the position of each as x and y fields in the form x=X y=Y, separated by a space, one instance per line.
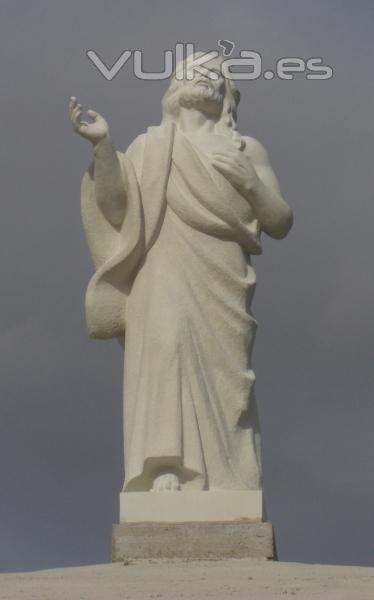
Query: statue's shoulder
x=156 y=134
x=139 y=142
x=135 y=153
x=255 y=149
x=137 y=145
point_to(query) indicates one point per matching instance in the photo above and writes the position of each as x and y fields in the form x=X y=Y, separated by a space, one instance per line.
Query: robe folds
x=175 y=283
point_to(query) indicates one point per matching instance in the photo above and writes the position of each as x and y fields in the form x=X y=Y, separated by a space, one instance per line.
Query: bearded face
x=203 y=93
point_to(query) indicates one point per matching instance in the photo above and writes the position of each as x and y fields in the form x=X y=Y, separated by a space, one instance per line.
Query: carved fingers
x=235 y=166
x=92 y=131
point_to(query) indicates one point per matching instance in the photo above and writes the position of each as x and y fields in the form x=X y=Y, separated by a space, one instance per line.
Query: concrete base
x=190 y=506
x=192 y=541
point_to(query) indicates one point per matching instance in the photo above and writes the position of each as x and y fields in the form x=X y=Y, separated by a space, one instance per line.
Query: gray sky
x=61 y=398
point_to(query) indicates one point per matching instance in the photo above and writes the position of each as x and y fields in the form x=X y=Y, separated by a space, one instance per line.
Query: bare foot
x=167 y=482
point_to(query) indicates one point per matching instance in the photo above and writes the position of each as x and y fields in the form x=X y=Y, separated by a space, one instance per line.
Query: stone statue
x=171 y=225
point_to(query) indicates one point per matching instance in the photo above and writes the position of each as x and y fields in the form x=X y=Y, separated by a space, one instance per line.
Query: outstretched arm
x=251 y=172
x=109 y=184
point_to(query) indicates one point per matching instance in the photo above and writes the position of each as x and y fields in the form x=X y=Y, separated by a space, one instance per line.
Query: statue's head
x=217 y=98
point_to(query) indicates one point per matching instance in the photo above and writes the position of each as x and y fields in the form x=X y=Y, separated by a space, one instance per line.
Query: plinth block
x=190 y=506
x=233 y=539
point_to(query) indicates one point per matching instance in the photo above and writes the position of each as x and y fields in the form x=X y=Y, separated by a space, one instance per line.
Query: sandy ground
x=170 y=580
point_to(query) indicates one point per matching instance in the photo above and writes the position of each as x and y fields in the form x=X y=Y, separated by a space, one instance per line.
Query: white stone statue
x=171 y=225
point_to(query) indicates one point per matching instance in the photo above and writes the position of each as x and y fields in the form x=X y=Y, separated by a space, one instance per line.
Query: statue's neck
x=195 y=121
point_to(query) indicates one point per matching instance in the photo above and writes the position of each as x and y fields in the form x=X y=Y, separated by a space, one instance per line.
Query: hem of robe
x=154 y=466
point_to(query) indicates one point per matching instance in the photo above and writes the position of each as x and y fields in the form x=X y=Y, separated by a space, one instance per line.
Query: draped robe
x=175 y=283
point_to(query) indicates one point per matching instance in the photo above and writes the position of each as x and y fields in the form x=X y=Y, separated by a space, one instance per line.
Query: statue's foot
x=167 y=482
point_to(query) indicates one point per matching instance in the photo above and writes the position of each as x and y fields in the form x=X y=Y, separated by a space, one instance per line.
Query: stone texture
x=233 y=579
x=192 y=541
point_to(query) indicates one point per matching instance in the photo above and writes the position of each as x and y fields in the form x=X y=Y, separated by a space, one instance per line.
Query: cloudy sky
x=61 y=398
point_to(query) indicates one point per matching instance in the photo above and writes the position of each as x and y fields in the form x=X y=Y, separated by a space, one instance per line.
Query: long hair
x=227 y=121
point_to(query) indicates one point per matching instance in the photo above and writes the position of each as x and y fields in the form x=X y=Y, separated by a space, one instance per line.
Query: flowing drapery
x=177 y=278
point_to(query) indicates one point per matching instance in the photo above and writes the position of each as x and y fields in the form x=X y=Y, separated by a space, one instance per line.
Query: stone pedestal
x=190 y=506
x=193 y=541
x=192 y=525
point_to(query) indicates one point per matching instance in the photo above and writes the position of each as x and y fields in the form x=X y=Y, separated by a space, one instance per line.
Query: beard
x=201 y=97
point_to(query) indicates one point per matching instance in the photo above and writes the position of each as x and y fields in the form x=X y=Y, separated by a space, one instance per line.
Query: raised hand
x=95 y=131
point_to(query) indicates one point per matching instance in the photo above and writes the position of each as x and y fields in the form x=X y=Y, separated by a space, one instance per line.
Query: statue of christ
x=171 y=225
